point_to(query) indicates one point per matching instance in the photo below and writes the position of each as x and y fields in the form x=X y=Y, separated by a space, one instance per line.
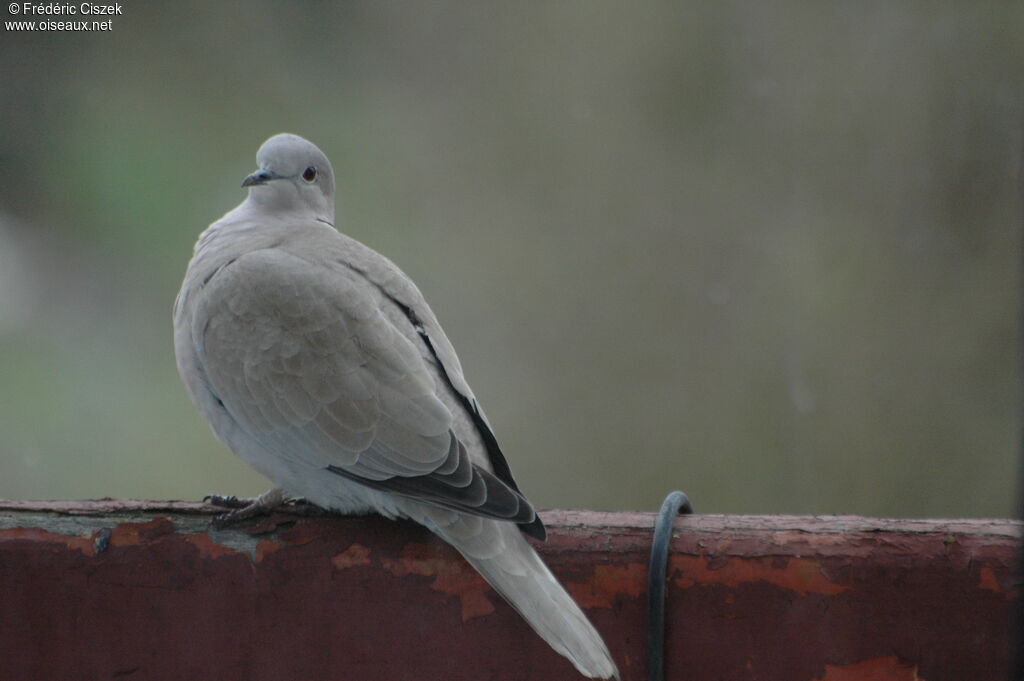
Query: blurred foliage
x=765 y=253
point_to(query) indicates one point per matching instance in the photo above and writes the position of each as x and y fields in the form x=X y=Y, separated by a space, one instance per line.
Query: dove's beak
x=259 y=177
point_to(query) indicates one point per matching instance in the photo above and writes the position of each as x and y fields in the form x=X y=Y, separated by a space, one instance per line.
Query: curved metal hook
x=675 y=503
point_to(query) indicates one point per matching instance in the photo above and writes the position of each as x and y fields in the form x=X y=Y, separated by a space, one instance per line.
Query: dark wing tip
x=462 y=486
x=535 y=529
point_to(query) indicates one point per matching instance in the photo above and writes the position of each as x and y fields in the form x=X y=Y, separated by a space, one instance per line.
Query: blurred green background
x=766 y=253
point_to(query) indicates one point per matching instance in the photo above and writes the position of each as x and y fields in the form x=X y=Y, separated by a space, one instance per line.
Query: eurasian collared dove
x=317 y=361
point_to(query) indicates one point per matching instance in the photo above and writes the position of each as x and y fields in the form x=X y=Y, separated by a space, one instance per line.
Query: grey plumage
x=318 y=362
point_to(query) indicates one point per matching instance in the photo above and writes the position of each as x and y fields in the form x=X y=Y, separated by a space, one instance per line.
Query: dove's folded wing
x=302 y=358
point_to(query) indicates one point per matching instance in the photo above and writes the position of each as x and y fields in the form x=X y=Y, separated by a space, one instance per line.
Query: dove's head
x=293 y=175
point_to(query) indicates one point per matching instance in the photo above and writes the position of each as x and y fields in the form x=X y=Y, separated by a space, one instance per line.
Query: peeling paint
x=84 y=544
x=265 y=547
x=608 y=583
x=877 y=669
x=354 y=555
x=802 y=575
x=233 y=540
x=880 y=597
x=452 y=577
x=103 y=533
x=207 y=547
x=987 y=580
x=471 y=590
x=102 y=541
x=136 y=533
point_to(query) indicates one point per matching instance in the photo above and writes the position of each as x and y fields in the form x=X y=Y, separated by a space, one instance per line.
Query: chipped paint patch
x=233 y=540
x=876 y=669
x=102 y=534
x=469 y=588
x=207 y=547
x=353 y=556
x=84 y=544
x=134 y=534
x=102 y=541
x=453 y=576
x=266 y=547
x=419 y=559
x=802 y=575
x=987 y=580
x=608 y=583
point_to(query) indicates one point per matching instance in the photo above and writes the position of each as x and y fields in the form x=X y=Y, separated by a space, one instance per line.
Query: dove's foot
x=243 y=509
x=226 y=501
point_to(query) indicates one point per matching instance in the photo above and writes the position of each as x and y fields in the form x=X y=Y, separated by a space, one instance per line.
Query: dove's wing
x=302 y=358
x=400 y=290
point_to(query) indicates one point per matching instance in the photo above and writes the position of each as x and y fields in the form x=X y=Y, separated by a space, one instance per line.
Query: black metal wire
x=675 y=503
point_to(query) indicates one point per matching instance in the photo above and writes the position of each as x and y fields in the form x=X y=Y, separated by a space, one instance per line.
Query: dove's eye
x=309 y=174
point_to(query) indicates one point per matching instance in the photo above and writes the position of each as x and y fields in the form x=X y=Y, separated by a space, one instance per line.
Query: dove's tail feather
x=522 y=578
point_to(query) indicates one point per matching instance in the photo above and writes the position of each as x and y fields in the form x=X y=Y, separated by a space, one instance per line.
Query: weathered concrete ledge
x=119 y=589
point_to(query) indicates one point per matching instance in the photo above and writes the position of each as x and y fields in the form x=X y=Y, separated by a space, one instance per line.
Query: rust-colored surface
x=146 y=590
